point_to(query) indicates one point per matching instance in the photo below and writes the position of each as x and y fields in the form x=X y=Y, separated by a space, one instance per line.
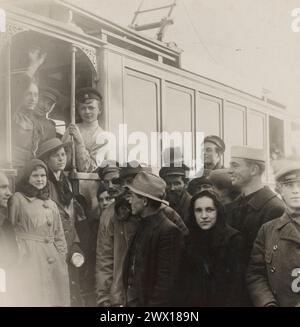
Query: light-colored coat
x=42 y=251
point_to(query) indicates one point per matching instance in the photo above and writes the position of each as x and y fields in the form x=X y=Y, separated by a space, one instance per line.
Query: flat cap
x=216 y=140
x=87 y=93
x=172 y=170
x=107 y=166
x=289 y=171
x=245 y=152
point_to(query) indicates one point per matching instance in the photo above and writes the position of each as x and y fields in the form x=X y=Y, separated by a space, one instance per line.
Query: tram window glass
x=208 y=115
x=177 y=116
x=295 y=137
x=255 y=129
x=140 y=110
x=276 y=134
x=234 y=127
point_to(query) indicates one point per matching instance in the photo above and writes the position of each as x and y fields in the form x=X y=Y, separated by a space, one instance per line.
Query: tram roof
x=102 y=30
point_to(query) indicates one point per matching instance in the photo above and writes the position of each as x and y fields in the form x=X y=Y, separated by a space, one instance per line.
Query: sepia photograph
x=149 y=156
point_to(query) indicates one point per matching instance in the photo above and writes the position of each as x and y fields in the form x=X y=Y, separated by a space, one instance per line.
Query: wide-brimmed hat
x=50 y=146
x=149 y=186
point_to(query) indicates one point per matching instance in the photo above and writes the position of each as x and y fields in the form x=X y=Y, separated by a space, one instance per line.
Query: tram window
x=177 y=117
x=234 y=127
x=140 y=112
x=208 y=115
x=255 y=129
x=276 y=134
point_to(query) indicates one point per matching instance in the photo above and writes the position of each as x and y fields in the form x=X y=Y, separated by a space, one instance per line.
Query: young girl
x=42 y=246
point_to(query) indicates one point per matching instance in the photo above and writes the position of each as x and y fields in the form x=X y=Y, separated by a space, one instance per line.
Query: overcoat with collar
x=248 y=217
x=273 y=274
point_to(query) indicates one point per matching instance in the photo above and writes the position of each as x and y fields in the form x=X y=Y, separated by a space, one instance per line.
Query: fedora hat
x=150 y=186
x=50 y=146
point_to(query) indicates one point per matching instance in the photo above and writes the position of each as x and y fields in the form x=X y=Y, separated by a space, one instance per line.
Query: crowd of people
x=220 y=239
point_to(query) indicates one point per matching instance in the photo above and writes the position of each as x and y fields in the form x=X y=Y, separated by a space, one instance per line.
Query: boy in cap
x=152 y=263
x=214 y=148
x=273 y=275
x=198 y=184
x=86 y=134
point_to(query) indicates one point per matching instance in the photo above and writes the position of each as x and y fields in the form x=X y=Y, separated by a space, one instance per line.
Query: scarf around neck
x=32 y=192
x=65 y=195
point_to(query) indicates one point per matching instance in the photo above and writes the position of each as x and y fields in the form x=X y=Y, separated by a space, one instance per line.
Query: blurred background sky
x=248 y=44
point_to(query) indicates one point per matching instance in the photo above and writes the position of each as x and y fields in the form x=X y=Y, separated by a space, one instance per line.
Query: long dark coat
x=159 y=254
x=273 y=274
x=69 y=218
x=183 y=206
x=248 y=217
x=213 y=274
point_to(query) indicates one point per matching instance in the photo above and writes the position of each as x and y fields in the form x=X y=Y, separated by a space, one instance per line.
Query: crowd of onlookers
x=219 y=239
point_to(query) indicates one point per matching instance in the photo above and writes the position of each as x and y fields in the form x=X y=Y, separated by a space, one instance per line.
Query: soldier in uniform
x=87 y=134
x=273 y=275
x=257 y=203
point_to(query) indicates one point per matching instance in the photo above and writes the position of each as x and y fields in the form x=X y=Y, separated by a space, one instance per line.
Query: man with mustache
x=273 y=275
x=175 y=177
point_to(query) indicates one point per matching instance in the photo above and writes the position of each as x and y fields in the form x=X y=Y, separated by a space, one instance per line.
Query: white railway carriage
x=141 y=80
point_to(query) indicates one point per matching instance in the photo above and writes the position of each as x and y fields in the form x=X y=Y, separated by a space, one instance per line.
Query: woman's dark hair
x=221 y=215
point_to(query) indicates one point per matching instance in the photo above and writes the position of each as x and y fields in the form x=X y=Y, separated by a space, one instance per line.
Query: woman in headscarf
x=54 y=153
x=40 y=237
x=214 y=269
